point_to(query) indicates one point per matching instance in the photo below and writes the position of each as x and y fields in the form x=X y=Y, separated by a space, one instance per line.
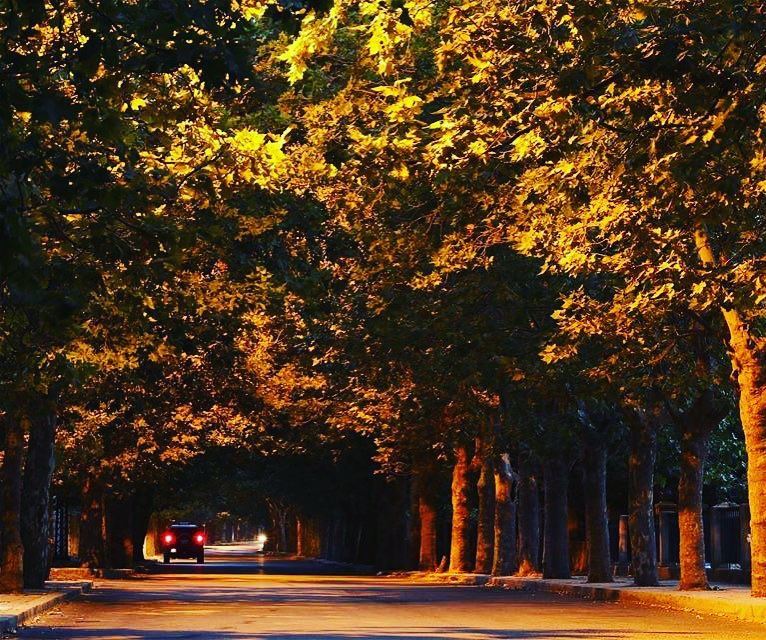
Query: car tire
x=201 y=558
x=166 y=558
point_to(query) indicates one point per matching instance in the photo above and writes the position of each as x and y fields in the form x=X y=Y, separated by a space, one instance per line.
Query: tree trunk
x=460 y=561
x=643 y=450
x=696 y=425
x=300 y=535
x=336 y=547
x=413 y=520
x=750 y=370
x=12 y=569
x=692 y=539
x=390 y=525
x=309 y=538
x=748 y=355
x=92 y=550
x=36 y=493
x=596 y=519
x=485 y=538
x=427 y=560
x=556 y=528
x=529 y=518
x=154 y=530
x=278 y=515
x=505 y=519
x=143 y=501
x=119 y=532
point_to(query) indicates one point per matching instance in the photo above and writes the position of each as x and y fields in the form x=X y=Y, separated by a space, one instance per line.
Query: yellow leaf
x=274 y=151
x=528 y=144
x=137 y=102
x=401 y=172
x=478 y=147
x=248 y=140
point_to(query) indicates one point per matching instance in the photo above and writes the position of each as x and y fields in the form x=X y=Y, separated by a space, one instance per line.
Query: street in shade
x=240 y=593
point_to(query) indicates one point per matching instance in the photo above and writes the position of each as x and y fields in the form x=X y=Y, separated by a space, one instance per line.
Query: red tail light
x=200 y=538
x=169 y=538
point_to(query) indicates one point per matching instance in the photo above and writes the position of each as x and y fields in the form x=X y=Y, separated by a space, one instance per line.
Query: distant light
x=262 y=537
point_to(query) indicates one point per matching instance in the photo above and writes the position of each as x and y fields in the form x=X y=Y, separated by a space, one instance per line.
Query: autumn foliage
x=478 y=237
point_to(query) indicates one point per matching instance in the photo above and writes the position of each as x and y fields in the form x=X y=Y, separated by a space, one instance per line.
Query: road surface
x=239 y=595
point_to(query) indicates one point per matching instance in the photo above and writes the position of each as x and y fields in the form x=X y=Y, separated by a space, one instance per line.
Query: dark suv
x=183 y=540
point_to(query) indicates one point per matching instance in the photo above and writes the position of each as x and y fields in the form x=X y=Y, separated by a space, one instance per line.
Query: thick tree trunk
x=390 y=526
x=427 y=558
x=460 y=560
x=596 y=519
x=529 y=518
x=413 y=521
x=279 y=514
x=505 y=519
x=143 y=501
x=154 y=529
x=643 y=450
x=12 y=568
x=92 y=550
x=337 y=535
x=692 y=539
x=750 y=369
x=695 y=425
x=35 y=504
x=485 y=538
x=748 y=355
x=119 y=532
x=556 y=526
x=309 y=537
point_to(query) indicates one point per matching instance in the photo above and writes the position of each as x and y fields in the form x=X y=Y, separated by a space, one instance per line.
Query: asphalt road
x=238 y=595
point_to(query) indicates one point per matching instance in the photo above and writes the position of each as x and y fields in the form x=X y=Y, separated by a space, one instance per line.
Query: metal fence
x=726 y=529
x=64 y=531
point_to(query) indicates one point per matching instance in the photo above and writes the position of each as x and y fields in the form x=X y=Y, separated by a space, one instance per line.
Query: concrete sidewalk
x=731 y=601
x=17 y=608
x=727 y=600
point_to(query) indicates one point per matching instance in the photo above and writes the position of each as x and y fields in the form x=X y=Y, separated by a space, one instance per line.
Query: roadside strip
x=16 y=609
x=730 y=601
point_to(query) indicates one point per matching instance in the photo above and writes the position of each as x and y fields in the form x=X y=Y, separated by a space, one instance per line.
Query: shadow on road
x=425 y=633
x=245 y=559
x=241 y=594
x=328 y=592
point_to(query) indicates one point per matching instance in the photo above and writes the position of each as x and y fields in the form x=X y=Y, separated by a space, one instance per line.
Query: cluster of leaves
x=607 y=145
x=269 y=224
x=145 y=240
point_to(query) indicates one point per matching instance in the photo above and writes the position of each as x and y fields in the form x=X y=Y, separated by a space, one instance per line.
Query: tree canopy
x=275 y=228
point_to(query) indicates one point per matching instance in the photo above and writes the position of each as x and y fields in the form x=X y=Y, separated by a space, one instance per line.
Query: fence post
x=715 y=536
x=726 y=535
x=667 y=520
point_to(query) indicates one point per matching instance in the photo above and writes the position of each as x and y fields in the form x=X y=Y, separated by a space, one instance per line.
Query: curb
x=10 y=623
x=693 y=602
x=460 y=579
x=115 y=574
x=358 y=569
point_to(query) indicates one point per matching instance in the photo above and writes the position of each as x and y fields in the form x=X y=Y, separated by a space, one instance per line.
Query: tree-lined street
x=455 y=286
x=266 y=600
